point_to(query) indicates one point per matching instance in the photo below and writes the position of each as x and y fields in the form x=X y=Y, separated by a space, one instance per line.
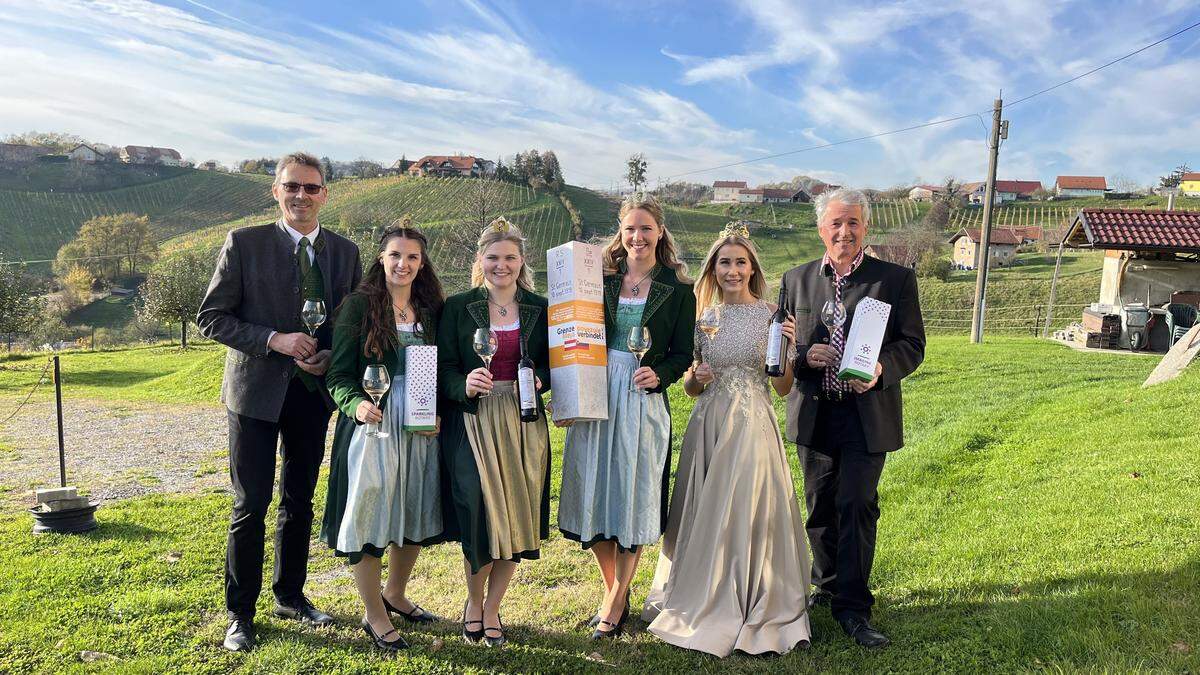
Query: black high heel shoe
x=601 y=634
x=495 y=641
x=471 y=636
x=396 y=645
x=417 y=615
x=595 y=620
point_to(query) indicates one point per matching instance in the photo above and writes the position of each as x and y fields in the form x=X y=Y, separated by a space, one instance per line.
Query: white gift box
x=420 y=388
x=578 y=350
x=861 y=351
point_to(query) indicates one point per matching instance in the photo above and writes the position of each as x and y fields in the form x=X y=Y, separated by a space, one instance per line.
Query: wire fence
x=36 y=385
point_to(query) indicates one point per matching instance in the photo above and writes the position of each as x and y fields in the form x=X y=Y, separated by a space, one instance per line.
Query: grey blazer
x=256 y=290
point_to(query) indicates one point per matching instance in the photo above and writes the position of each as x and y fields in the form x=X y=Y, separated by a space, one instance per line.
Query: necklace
x=637 y=288
x=503 y=309
x=401 y=312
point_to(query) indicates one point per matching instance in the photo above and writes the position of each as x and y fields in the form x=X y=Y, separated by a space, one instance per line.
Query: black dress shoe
x=302 y=610
x=863 y=632
x=239 y=637
x=820 y=599
x=395 y=645
x=494 y=640
x=595 y=620
x=471 y=635
x=417 y=615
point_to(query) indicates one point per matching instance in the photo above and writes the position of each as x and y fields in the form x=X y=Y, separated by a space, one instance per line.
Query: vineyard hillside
x=33 y=225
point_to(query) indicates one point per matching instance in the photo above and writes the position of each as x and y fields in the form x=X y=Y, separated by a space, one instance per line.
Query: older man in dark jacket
x=844 y=430
x=274 y=386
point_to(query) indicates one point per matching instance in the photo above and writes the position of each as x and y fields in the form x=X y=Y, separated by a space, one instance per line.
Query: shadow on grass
x=109 y=378
x=123 y=530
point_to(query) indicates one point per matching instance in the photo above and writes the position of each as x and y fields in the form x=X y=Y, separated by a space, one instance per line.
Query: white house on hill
x=726 y=191
x=146 y=154
x=85 y=153
x=1080 y=186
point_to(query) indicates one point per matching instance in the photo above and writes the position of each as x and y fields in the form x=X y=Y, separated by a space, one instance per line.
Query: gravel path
x=114 y=450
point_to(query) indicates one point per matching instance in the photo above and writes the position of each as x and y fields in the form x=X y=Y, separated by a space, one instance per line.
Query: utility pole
x=999 y=130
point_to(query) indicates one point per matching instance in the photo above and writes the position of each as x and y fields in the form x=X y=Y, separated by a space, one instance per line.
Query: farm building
x=925 y=193
x=146 y=154
x=17 y=152
x=819 y=188
x=965 y=245
x=750 y=196
x=85 y=153
x=1150 y=257
x=780 y=196
x=1006 y=190
x=452 y=165
x=1189 y=184
x=1080 y=186
x=726 y=191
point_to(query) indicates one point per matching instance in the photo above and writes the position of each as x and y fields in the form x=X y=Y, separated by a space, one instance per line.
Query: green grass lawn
x=1040 y=518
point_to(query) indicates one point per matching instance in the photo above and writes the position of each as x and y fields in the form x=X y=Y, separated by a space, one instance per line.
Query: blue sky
x=691 y=84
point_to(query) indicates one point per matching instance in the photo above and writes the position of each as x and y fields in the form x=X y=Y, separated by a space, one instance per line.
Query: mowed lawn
x=1042 y=517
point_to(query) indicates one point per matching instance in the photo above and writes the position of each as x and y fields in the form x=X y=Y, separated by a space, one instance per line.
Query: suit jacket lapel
x=478 y=309
x=659 y=294
x=612 y=291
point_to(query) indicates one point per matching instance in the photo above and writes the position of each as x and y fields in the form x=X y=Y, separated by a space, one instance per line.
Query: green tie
x=302 y=256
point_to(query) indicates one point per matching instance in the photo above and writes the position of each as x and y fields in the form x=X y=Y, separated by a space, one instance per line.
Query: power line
x=940 y=121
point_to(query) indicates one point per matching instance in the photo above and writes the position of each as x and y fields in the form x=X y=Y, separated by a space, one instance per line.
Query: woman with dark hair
x=616 y=471
x=384 y=492
x=498 y=464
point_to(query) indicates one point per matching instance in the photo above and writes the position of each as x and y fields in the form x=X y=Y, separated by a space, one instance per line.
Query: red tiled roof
x=152 y=152
x=776 y=193
x=748 y=191
x=459 y=162
x=729 y=184
x=1081 y=183
x=1135 y=230
x=822 y=187
x=1000 y=235
x=1195 y=175
x=1020 y=187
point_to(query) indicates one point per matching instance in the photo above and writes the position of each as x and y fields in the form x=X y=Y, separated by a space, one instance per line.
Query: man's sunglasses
x=309 y=188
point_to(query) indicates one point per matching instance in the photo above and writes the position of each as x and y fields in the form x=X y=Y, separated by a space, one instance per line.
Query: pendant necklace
x=638 y=286
x=503 y=309
x=403 y=314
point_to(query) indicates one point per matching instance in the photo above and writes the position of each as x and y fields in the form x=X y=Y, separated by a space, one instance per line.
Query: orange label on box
x=582 y=354
x=576 y=310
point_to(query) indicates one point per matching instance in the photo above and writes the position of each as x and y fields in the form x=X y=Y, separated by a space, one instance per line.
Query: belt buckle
x=836 y=396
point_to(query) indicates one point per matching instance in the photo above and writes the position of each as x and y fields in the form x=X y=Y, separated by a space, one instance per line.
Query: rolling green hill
x=33 y=225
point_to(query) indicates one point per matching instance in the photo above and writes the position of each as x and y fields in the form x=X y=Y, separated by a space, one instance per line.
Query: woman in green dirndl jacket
x=616 y=472
x=385 y=493
x=498 y=465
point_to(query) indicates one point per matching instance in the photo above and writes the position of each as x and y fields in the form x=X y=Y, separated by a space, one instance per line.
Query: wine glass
x=833 y=315
x=376 y=381
x=639 y=344
x=485 y=345
x=313 y=315
x=710 y=321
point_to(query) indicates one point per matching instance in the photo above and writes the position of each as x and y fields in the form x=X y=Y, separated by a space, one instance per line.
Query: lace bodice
x=738 y=351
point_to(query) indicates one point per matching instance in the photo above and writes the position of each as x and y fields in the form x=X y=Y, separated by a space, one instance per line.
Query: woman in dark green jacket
x=498 y=466
x=616 y=472
x=385 y=492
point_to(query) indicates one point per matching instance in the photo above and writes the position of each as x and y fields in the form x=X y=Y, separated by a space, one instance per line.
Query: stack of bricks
x=1102 y=331
x=60 y=499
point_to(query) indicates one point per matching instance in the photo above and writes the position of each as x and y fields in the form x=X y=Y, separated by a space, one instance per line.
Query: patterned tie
x=302 y=258
x=837 y=339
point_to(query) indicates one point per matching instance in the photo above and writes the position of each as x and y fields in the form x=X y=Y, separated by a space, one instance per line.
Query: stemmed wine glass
x=313 y=315
x=710 y=321
x=485 y=345
x=833 y=315
x=639 y=344
x=376 y=381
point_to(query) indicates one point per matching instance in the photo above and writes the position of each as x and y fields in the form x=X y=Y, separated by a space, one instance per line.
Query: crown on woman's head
x=736 y=228
x=500 y=224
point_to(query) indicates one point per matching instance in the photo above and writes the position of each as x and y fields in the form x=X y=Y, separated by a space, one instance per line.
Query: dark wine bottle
x=527 y=388
x=776 y=344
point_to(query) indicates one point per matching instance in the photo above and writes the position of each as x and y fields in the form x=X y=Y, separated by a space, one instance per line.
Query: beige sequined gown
x=734 y=569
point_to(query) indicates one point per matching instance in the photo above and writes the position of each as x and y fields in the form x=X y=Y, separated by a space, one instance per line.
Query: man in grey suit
x=274 y=386
x=844 y=430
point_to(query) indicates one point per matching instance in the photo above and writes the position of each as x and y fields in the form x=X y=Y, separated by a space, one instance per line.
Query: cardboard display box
x=420 y=388
x=861 y=352
x=578 y=349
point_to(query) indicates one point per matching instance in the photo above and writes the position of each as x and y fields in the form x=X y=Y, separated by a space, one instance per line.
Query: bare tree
x=485 y=200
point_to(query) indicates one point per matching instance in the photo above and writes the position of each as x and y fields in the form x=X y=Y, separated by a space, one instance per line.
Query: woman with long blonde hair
x=498 y=465
x=733 y=572
x=616 y=471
